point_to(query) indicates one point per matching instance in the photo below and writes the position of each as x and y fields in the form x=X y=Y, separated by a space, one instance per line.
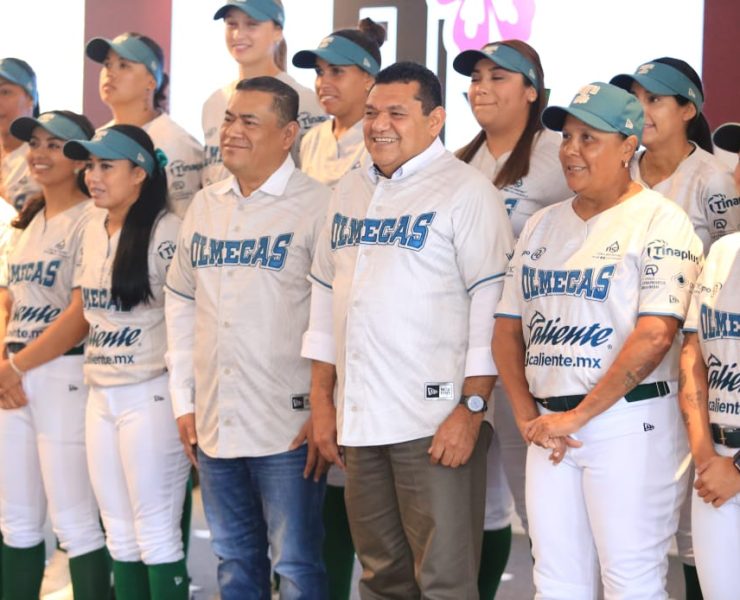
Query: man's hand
x=324 y=419
x=455 y=439
x=188 y=437
x=314 y=461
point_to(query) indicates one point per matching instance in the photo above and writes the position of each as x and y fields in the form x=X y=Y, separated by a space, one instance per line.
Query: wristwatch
x=474 y=403
x=736 y=460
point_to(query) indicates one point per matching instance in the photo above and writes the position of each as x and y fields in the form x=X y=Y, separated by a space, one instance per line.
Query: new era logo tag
x=300 y=402
x=647 y=427
x=439 y=391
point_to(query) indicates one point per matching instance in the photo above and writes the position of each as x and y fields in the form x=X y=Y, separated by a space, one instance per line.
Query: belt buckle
x=545 y=402
x=722 y=439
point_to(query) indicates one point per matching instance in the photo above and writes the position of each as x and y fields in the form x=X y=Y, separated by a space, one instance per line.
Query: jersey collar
x=413 y=165
x=274 y=185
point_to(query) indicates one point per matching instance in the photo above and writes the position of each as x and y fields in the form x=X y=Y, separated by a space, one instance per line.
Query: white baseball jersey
x=310 y=113
x=7 y=234
x=123 y=347
x=403 y=257
x=326 y=158
x=17 y=183
x=244 y=261
x=41 y=266
x=715 y=317
x=703 y=186
x=579 y=286
x=542 y=186
x=184 y=161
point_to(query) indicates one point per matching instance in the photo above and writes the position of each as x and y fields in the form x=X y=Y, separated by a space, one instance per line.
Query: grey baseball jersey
x=326 y=158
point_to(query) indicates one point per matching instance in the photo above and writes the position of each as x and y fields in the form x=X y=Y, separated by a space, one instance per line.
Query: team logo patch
x=585 y=93
x=45 y=118
x=166 y=250
x=326 y=42
x=645 y=69
x=439 y=391
x=537 y=254
x=300 y=402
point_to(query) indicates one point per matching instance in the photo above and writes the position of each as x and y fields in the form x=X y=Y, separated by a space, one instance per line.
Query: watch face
x=476 y=403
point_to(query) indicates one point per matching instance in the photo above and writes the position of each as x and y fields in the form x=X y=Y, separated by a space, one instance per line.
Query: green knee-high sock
x=90 y=575
x=691 y=577
x=169 y=581
x=24 y=570
x=339 y=552
x=1 y=564
x=187 y=514
x=131 y=580
x=493 y=559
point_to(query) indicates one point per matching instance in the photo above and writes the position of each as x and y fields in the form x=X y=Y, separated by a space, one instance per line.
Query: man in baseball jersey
x=407 y=272
x=237 y=304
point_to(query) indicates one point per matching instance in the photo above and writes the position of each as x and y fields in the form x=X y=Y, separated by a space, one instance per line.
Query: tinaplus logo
x=659 y=249
x=719 y=204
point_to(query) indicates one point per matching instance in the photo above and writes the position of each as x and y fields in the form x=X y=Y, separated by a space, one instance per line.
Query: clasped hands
x=554 y=431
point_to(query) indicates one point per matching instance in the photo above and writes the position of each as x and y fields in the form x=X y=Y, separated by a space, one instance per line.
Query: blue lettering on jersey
x=721 y=376
x=404 y=231
x=510 y=204
x=34 y=314
x=264 y=252
x=574 y=282
x=551 y=332
x=719 y=203
x=40 y=272
x=718 y=324
x=211 y=156
x=100 y=338
x=99 y=298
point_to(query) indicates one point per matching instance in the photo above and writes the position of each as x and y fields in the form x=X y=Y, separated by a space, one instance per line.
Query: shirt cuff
x=182 y=401
x=319 y=346
x=479 y=362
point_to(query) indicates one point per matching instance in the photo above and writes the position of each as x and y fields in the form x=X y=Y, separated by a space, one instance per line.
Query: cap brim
x=97 y=49
x=727 y=137
x=258 y=15
x=553 y=117
x=23 y=127
x=465 y=62
x=82 y=150
x=306 y=59
x=625 y=82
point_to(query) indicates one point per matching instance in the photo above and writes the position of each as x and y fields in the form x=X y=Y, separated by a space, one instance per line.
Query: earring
x=626 y=164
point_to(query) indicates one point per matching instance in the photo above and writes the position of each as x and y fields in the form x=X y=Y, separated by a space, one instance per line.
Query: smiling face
x=499 y=98
x=593 y=160
x=665 y=119
x=14 y=103
x=123 y=81
x=46 y=161
x=341 y=88
x=395 y=126
x=113 y=184
x=250 y=42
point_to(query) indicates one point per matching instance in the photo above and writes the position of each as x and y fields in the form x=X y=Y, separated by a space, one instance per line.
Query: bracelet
x=15 y=367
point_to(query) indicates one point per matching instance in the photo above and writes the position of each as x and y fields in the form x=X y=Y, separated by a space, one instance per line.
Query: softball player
x=254 y=38
x=137 y=467
x=18 y=98
x=709 y=401
x=677 y=160
x=507 y=95
x=133 y=85
x=42 y=445
x=593 y=298
x=346 y=63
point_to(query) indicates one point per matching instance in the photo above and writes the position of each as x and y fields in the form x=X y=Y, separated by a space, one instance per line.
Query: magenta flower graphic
x=513 y=19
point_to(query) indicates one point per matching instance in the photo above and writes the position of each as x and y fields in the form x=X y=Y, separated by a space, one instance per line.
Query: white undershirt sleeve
x=179 y=314
x=479 y=359
x=318 y=341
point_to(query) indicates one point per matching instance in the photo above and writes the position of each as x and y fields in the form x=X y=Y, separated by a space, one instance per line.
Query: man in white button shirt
x=237 y=303
x=406 y=276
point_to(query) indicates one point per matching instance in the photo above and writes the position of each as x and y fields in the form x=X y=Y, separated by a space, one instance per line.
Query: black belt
x=727 y=436
x=16 y=347
x=641 y=392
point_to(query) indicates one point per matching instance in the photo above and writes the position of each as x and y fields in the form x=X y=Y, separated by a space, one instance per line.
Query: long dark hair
x=517 y=165
x=697 y=129
x=37 y=203
x=130 y=278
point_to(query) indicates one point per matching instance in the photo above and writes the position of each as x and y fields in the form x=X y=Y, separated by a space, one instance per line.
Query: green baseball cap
x=504 y=56
x=111 y=144
x=56 y=124
x=337 y=50
x=662 y=79
x=259 y=10
x=727 y=137
x=602 y=106
x=20 y=73
x=130 y=47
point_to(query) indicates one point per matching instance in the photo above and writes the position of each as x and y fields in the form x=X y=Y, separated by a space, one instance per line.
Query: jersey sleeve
x=322 y=266
x=721 y=205
x=183 y=172
x=163 y=246
x=669 y=264
x=510 y=303
x=180 y=276
x=482 y=237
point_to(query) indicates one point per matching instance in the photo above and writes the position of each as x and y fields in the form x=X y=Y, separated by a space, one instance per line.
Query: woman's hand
x=717 y=480
x=543 y=429
x=13 y=397
x=8 y=377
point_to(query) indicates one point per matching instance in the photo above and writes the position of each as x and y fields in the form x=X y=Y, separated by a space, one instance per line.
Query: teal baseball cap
x=259 y=10
x=111 y=144
x=20 y=73
x=130 y=47
x=337 y=50
x=504 y=56
x=602 y=106
x=727 y=137
x=664 y=80
x=55 y=123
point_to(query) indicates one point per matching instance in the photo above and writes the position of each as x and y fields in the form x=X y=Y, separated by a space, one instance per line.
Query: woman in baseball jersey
x=42 y=427
x=678 y=160
x=346 y=63
x=137 y=467
x=133 y=84
x=254 y=38
x=585 y=342
x=709 y=401
x=507 y=96
x=18 y=98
